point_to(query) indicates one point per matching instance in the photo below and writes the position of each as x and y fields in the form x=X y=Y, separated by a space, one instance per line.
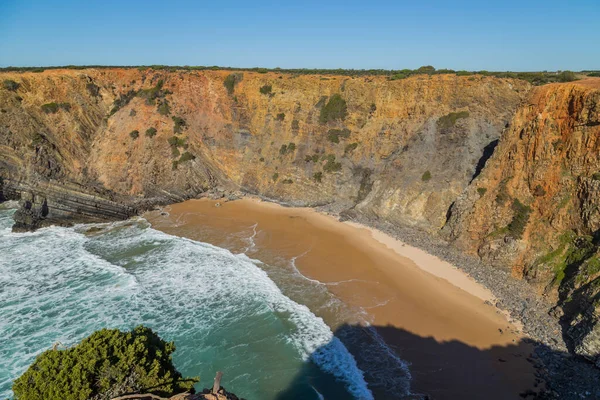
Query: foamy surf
x=221 y=309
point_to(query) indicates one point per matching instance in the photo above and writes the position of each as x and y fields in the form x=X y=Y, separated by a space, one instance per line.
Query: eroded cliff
x=402 y=150
x=107 y=143
x=535 y=207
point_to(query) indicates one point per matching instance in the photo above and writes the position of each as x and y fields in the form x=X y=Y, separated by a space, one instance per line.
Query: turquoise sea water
x=223 y=311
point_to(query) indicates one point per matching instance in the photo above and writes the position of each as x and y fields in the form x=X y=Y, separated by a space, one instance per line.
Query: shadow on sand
x=398 y=364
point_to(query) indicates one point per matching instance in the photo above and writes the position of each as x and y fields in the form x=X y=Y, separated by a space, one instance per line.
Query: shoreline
x=431 y=321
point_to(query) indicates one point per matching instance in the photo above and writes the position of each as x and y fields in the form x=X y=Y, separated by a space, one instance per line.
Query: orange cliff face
x=272 y=143
x=535 y=209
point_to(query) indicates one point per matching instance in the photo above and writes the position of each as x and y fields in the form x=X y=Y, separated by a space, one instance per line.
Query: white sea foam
x=59 y=285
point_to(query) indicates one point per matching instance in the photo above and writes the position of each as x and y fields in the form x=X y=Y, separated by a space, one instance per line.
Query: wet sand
x=430 y=313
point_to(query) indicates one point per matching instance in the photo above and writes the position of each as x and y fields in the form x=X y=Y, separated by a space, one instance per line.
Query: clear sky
x=474 y=35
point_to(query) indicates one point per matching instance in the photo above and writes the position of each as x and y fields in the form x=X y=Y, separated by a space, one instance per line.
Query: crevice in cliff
x=488 y=151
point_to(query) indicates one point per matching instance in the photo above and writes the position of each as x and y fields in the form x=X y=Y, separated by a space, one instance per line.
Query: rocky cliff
x=403 y=150
x=504 y=171
x=535 y=208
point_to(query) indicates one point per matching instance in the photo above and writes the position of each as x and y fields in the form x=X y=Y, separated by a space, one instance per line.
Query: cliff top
x=535 y=78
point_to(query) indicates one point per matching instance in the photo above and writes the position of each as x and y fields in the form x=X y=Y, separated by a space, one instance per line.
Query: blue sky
x=473 y=35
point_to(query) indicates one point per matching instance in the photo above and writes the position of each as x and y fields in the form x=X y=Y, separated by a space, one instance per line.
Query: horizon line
x=426 y=68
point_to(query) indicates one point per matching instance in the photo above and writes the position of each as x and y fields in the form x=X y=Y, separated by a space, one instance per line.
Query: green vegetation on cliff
x=231 y=80
x=572 y=250
x=107 y=364
x=179 y=124
x=10 y=85
x=287 y=148
x=151 y=132
x=51 y=108
x=335 y=109
x=266 y=89
x=153 y=93
x=163 y=108
x=331 y=165
x=521 y=212
x=449 y=120
x=333 y=135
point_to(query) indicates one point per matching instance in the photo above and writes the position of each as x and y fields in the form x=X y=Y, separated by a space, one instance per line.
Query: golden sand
x=430 y=312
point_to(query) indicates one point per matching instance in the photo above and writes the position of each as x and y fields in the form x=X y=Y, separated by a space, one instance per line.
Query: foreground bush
x=107 y=364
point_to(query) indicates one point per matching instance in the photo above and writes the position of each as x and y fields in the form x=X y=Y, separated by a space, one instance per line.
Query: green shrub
x=287 y=148
x=153 y=93
x=51 y=108
x=280 y=117
x=595 y=74
x=502 y=197
x=134 y=134
x=566 y=76
x=335 y=109
x=275 y=176
x=448 y=121
x=93 y=89
x=107 y=364
x=426 y=176
x=333 y=135
x=318 y=176
x=175 y=151
x=122 y=101
x=174 y=141
x=187 y=156
x=163 y=108
x=314 y=158
x=481 y=191
x=175 y=163
x=398 y=76
x=179 y=125
x=331 y=165
x=521 y=212
x=350 y=148
x=539 y=191
x=11 y=85
x=373 y=108
x=151 y=132
x=295 y=125
x=262 y=159
x=266 y=89
x=596 y=176
x=231 y=80
x=426 y=69
x=287 y=181
x=328 y=157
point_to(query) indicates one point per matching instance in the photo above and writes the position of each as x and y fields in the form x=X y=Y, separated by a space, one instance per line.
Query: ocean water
x=225 y=311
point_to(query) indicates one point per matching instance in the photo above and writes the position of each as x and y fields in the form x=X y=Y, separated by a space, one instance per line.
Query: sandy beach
x=431 y=314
